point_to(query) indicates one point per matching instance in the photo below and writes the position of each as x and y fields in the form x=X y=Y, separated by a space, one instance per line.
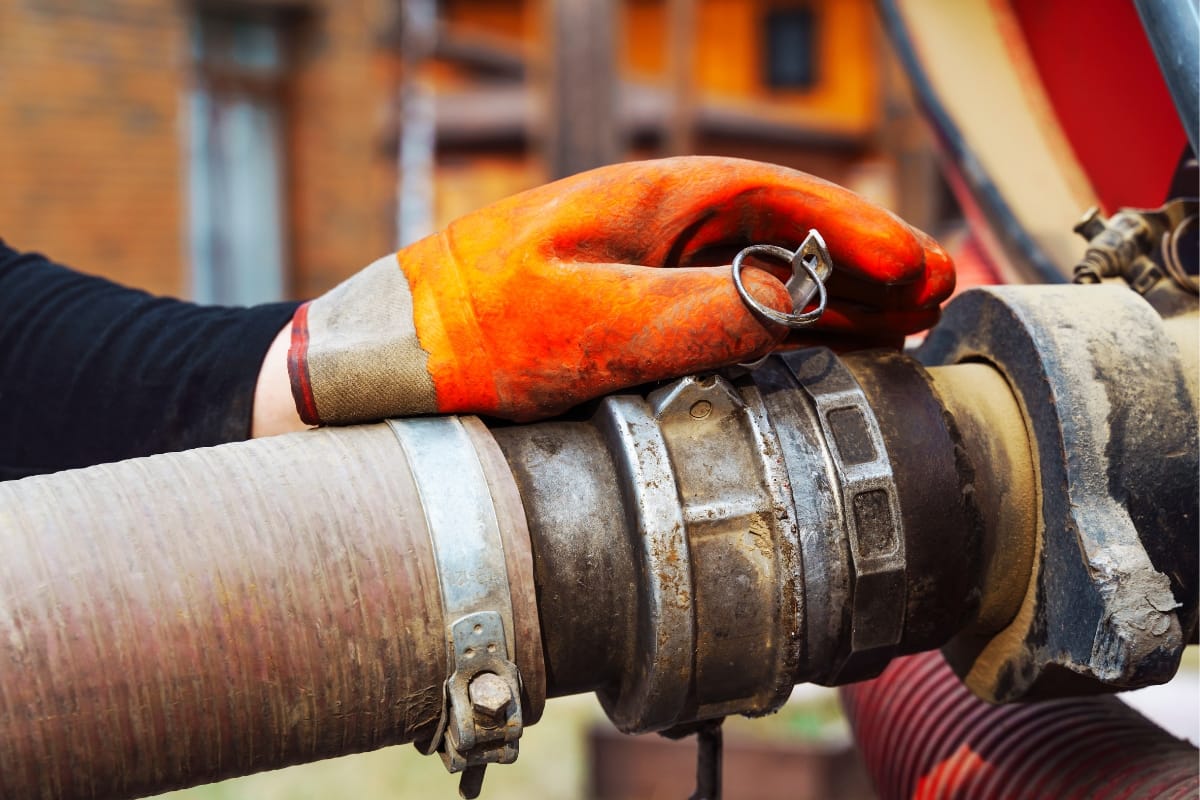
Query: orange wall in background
x=506 y=19
x=730 y=49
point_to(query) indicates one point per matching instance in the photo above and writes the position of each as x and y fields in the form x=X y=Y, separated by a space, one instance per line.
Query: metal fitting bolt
x=490 y=696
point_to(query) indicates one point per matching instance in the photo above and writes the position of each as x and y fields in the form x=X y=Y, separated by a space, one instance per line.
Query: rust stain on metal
x=672 y=575
x=761 y=537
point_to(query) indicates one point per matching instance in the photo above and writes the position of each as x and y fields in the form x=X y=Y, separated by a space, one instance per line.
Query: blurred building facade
x=247 y=150
x=114 y=111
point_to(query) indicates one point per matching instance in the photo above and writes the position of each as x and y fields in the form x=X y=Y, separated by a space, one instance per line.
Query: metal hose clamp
x=481 y=717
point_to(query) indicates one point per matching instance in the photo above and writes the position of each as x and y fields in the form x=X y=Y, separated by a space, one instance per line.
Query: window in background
x=791 y=58
x=236 y=163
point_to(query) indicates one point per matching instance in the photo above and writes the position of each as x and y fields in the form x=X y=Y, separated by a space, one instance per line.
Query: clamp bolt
x=489 y=695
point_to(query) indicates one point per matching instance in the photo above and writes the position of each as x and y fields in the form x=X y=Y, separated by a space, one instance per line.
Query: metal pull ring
x=811 y=267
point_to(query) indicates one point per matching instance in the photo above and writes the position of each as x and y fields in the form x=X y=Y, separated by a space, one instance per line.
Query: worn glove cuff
x=355 y=355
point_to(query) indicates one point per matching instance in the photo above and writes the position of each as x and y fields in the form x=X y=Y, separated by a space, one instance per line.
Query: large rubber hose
x=281 y=607
x=924 y=736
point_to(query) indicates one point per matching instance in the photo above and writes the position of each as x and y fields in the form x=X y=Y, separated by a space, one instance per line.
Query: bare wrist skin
x=274 y=409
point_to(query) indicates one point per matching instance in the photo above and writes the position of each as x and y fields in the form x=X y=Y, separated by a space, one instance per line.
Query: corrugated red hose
x=924 y=735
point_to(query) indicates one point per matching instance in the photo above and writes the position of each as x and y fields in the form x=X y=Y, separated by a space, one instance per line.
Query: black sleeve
x=92 y=372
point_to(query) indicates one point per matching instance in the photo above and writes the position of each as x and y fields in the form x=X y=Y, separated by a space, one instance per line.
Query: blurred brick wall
x=90 y=157
x=93 y=167
x=342 y=157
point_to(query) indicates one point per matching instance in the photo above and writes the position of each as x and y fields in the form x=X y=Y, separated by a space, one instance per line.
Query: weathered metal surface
x=718 y=616
x=1141 y=247
x=463 y=486
x=480 y=656
x=490 y=697
x=462 y=524
x=825 y=579
x=518 y=563
x=937 y=475
x=733 y=488
x=811 y=267
x=655 y=681
x=583 y=562
x=665 y=550
x=893 y=561
x=180 y=619
x=870 y=505
x=701 y=550
x=1114 y=429
x=1000 y=478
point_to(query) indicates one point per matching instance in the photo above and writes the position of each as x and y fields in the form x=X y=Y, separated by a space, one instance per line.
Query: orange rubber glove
x=551 y=297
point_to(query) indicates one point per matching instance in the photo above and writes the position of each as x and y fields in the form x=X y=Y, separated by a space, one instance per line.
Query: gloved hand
x=536 y=303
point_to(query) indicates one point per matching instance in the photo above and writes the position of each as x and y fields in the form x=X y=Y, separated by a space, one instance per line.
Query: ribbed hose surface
x=924 y=735
x=229 y=610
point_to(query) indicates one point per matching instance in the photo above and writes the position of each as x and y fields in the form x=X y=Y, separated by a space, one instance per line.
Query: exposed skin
x=274 y=409
x=555 y=295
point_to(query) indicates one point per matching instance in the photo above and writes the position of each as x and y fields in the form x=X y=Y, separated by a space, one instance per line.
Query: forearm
x=92 y=372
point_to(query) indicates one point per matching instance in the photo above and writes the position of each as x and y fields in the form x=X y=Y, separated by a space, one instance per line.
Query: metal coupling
x=750 y=534
x=706 y=497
